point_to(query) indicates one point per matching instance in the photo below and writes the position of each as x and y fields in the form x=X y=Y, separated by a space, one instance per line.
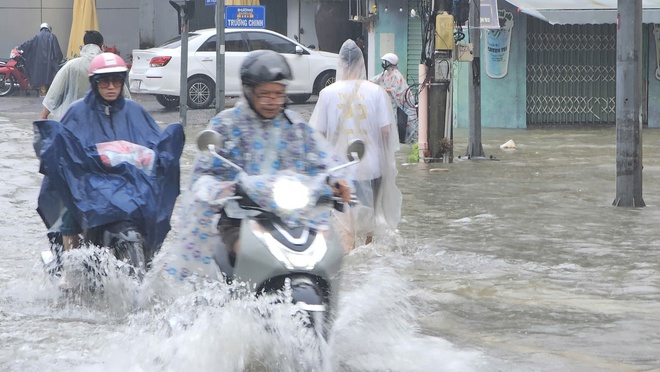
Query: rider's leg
x=70 y=230
x=230 y=230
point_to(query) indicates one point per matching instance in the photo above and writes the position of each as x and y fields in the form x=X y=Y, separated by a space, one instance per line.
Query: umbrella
x=84 y=19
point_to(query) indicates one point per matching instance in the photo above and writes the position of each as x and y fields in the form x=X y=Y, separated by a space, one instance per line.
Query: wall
x=392 y=33
x=301 y=16
x=503 y=101
x=118 y=22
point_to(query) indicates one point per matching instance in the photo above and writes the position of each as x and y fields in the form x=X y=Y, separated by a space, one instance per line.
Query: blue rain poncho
x=42 y=54
x=86 y=171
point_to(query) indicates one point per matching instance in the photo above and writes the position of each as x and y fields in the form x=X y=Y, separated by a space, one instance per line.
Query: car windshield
x=176 y=41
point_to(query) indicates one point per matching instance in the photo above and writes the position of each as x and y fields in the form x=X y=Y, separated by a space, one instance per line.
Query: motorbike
x=13 y=75
x=279 y=250
x=122 y=194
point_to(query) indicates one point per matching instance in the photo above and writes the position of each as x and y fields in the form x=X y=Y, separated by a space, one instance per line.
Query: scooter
x=13 y=75
x=276 y=255
x=122 y=239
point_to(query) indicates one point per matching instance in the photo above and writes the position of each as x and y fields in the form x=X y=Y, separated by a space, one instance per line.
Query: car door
x=235 y=51
x=299 y=62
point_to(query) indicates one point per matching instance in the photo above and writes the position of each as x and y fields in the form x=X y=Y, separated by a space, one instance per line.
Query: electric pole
x=474 y=91
x=220 y=56
x=629 y=104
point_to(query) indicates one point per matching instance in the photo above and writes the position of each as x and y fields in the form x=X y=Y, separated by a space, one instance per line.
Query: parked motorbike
x=13 y=75
x=276 y=255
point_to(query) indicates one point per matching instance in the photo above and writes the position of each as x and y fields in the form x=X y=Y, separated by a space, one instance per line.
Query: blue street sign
x=210 y=2
x=245 y=17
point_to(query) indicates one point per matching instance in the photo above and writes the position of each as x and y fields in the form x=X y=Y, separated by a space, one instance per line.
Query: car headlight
x=290 y=193
x=305 y=260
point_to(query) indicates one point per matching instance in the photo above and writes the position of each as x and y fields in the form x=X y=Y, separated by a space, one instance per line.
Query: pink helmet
x=107 y=63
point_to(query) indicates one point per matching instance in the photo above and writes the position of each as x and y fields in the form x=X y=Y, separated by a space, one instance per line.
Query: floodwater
x=514 y=264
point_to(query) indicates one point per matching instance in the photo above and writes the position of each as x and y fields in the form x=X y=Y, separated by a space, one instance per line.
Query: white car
x=157 y=70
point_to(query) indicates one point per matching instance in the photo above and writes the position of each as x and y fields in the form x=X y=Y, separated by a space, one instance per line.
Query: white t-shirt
x=361 y=114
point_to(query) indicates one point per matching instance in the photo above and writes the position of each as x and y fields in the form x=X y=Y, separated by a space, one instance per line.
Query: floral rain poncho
x=395 y=84
x=262 y=148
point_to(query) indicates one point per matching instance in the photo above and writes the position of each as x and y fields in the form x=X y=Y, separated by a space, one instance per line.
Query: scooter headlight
x=305 y=260
x=290 y=193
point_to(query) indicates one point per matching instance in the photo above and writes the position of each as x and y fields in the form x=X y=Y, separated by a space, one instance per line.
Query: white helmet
x=45 y=25
x=391 y=58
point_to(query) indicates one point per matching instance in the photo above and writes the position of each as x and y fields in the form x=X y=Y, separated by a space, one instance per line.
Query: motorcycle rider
x=43 y=55
x=395 y=84
x=72 y=81
x=84 y=161
x=260 y=136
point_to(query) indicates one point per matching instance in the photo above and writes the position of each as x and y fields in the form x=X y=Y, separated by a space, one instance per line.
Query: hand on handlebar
x=341 y=190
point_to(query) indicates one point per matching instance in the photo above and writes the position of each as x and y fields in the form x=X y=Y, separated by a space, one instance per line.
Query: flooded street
x=513 y=264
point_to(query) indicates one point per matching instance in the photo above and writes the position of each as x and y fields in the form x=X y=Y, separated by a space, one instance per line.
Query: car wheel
x=299 y=98
x=169 y=102
x=327 y=79
x=200 y=92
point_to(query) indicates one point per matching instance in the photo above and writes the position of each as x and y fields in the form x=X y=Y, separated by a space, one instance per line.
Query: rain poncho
x=43 y=55
x=401 y=96
x=260 y=147
x=89 y=169
x=354 y=108
x=72 y=82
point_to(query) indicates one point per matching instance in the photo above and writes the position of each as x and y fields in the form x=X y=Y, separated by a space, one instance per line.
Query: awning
x=564 y=12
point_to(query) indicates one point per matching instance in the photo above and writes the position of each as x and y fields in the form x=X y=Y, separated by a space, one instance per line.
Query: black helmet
x=265 y=66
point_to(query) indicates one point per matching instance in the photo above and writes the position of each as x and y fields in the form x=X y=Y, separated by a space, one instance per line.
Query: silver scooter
x=274 y=255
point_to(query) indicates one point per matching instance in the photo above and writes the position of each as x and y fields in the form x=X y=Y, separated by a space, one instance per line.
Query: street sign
x=245 y=17
x=210 y=2
x=488 y=14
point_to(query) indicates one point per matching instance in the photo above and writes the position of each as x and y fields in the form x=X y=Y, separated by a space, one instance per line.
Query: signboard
x=210 y=2
x=488 y=14
x=245 y=17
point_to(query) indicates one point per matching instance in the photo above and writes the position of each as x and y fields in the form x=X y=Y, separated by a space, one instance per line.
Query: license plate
x=135 y=84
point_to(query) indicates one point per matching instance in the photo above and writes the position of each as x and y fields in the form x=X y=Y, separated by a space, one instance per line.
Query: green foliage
x=413 y=156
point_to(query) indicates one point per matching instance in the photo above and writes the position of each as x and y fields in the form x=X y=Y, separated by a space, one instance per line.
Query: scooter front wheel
x=7 y=85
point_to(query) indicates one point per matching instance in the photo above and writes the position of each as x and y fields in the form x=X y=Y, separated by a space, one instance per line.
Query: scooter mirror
x=208 y=137
x=355 y=150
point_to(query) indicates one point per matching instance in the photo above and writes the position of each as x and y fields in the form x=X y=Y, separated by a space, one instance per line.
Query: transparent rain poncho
x=261 y=148
x=354 y=108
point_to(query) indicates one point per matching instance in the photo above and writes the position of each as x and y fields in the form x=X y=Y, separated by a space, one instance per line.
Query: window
x=259 y=40
x=233 y=43
x=176 y=41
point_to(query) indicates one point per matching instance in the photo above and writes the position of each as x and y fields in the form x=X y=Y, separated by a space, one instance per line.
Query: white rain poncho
x=354 y=108
x=72 y=82
x=401 y=96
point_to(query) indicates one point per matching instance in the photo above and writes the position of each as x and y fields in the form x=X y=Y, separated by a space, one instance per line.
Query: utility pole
x=475 y=149
x=439 y=128
x=220 y=56
x=629 y=104
x=186 y=11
